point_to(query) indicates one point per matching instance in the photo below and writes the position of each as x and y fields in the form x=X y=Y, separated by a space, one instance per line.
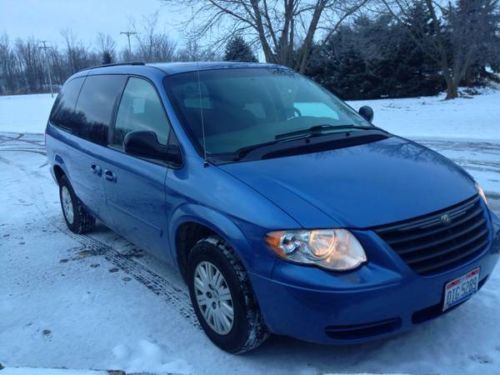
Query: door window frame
x=172 y=137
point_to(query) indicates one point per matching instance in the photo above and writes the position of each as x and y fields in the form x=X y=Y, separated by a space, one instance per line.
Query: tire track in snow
x=170 y=293
x=24 y=143
x=160 y=286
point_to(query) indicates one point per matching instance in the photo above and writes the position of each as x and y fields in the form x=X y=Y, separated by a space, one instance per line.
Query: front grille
x=442 y=240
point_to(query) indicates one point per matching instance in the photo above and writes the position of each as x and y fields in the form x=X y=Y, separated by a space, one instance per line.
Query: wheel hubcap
x=67 y=204
x=214 y=297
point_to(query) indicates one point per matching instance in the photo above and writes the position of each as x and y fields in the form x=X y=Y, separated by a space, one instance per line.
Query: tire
x=76 y=216
x=247 y=330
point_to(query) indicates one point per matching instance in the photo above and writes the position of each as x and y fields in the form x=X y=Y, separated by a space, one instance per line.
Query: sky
x=45 y=19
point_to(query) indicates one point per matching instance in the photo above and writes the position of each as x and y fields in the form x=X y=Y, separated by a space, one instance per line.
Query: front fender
x=254 y=256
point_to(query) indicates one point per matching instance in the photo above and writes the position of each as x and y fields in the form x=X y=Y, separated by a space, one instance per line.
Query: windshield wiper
x=319 y=130
x=243 y=151
x=313 y=131
x=285 y=137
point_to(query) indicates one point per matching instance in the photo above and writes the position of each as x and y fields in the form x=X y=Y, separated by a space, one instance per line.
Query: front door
x=134 y=187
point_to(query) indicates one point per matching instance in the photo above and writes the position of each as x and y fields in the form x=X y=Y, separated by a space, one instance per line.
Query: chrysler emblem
x=445 y=219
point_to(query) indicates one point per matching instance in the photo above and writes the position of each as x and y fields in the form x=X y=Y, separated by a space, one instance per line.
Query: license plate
x=460 y=289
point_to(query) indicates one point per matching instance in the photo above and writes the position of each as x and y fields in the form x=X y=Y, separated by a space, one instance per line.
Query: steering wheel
x=291 y=112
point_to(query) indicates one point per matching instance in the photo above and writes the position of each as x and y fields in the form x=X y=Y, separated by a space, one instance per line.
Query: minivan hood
x=360 y=186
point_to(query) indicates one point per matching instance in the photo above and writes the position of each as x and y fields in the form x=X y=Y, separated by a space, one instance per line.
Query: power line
x=128 y=34
x=45 y=47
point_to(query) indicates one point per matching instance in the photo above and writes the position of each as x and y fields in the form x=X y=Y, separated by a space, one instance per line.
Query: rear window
x=96 y=104
x=63 y=113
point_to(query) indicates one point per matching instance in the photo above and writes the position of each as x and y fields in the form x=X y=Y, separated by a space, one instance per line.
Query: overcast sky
x=45 y=19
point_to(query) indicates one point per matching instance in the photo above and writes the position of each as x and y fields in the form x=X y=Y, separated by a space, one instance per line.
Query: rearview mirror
x=366 y=112
x=145 y=144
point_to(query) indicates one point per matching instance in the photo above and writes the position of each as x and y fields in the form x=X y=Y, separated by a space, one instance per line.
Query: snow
x=96 y=302
x=147 y=357
x=473 y=118
x=25 y=113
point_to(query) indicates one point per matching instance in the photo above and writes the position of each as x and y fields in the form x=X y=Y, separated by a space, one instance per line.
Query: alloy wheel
x=67 y=204
x=214 y=297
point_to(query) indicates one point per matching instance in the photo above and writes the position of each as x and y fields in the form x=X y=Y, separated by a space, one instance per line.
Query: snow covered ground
x=97 y=302
x=468 y=118
x=25 y=113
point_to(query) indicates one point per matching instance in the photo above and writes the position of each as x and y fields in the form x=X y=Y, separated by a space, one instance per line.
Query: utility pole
x=47 y=65
x=128 y=34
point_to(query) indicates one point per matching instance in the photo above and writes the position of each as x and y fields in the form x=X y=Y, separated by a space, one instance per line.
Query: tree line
x=25 y=63
x=359 y=49
x=411 y=53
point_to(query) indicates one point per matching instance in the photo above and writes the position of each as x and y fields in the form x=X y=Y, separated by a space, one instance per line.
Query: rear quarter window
x=96 y=105
x=63 y=112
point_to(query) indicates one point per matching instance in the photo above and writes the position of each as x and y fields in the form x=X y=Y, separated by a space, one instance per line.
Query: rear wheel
x=77 y=218
x=222 y=297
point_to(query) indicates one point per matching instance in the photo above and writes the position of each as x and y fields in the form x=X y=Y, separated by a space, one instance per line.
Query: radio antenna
x=205 y=160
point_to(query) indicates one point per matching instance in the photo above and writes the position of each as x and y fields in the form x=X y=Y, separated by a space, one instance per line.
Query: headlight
x=481 y=193
x=334 y=249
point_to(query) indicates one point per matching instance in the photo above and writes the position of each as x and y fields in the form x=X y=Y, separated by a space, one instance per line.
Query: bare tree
x=285 y=29
x=58 y=65
x=9 y=67
x=193 y=51
x=31 y=60
x=106 y=47
x=153 y=45
x=77 y=55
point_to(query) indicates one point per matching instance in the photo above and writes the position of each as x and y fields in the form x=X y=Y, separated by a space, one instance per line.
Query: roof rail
x=113 y=64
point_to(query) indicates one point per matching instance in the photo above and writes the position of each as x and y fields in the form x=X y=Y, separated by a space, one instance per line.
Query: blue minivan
x=286 y=211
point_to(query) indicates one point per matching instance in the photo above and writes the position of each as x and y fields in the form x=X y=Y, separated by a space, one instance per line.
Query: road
x=99 y=302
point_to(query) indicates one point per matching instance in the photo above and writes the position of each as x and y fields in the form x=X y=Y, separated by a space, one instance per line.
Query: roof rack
x=114 y=64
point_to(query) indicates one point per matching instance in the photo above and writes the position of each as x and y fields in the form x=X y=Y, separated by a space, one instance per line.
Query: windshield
x=241 y=108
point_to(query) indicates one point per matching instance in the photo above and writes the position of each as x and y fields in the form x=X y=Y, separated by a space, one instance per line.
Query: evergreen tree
x=476 y=22
x=239 y=50
x=106 y=58
x=414 y=72
x=374 y=58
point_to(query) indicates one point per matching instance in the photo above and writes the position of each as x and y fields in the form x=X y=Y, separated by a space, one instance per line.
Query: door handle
x=110 y=176
x=96 y=169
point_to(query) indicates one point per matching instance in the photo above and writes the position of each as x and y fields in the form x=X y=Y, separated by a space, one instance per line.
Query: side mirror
x=145 y=144
x=367 y=113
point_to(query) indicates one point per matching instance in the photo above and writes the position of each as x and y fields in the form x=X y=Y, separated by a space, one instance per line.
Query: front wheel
x=222 y=297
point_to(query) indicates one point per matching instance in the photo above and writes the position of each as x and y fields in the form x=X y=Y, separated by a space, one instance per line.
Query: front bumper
x=382 y=298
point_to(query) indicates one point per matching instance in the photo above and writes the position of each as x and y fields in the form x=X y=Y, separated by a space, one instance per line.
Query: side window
x=140 y=109
x=63 y=113
x=96 y=105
